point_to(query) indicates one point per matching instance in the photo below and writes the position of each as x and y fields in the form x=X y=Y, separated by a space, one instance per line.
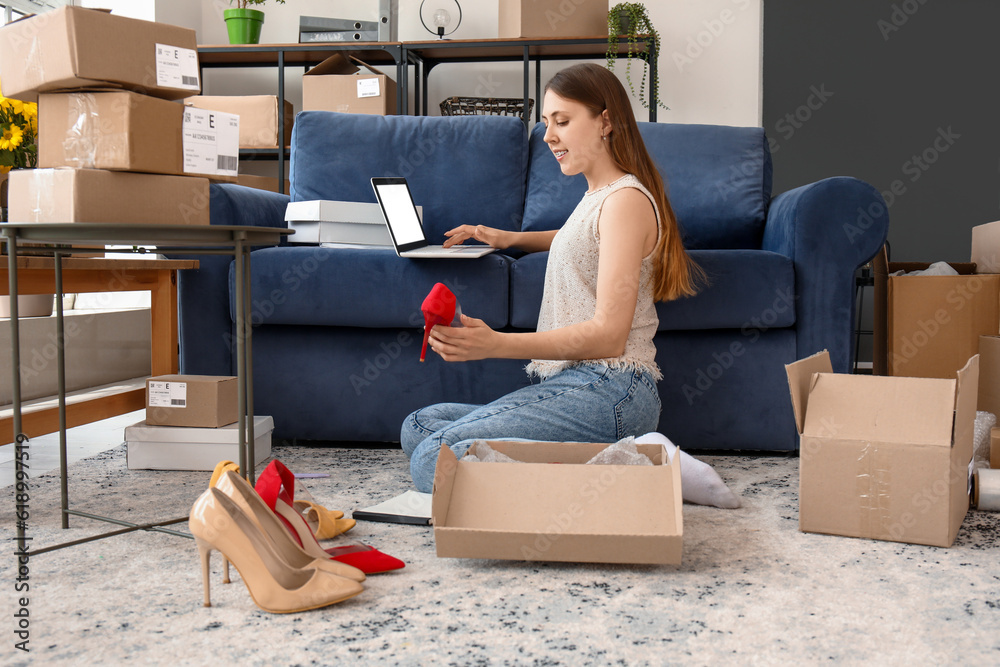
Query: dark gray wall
x=902 y=94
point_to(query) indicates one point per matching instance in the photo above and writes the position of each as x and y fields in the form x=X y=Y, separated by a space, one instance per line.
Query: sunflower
x=12 y=138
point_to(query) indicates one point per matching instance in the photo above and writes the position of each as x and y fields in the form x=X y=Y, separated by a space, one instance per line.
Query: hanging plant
x=632 y=20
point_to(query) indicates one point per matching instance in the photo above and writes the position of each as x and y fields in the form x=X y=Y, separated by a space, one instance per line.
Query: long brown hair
x=674 y=273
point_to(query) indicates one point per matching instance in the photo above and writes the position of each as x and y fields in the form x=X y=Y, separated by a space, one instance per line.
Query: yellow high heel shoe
x=242 y=494
x=218 y=523
x=325 y=524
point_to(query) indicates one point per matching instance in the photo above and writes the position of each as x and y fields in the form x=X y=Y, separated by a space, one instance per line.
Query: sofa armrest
x=239 y=205
x=203 y=321
x=829 y=229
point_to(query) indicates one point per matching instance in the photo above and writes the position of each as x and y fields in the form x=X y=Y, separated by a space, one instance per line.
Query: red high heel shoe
x=438 y=308
x=365 y=558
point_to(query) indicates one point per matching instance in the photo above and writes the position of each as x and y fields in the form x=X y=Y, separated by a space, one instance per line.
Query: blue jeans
x=585 y=403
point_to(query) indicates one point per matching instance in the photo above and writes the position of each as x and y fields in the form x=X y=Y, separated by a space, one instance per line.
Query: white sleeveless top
x=570 y=294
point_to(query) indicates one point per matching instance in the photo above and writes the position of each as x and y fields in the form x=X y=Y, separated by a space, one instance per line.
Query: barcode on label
x=228 y=162
x=180 y=402
x=189 y=80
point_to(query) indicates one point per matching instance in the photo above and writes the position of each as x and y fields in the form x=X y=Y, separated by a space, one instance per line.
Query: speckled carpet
x=752 y=589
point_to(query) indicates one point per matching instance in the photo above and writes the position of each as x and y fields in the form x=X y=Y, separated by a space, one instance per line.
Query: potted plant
x=243 y=23
x=632 y=20
x=19 y=150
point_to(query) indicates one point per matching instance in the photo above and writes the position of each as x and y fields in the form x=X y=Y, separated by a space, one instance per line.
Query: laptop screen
x=400 y=213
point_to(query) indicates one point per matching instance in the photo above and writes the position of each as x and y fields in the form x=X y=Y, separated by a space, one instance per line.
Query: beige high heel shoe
x=275 y=586
x=240 y=492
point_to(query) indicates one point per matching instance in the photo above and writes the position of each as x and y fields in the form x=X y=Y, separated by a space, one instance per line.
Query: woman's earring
x=604 y=137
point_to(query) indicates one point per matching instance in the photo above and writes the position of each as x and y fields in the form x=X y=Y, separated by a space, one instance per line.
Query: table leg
x=15 y=365
x=248 y=350
x=61 y=385
x=241 y=402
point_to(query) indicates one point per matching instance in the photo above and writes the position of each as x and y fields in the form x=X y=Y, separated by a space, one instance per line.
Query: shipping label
x=211 y=142
x=368 y=88
x=168 y=394
x=177 y=67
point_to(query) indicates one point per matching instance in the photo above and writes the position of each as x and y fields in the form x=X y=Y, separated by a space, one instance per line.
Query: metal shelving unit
x=423 y=56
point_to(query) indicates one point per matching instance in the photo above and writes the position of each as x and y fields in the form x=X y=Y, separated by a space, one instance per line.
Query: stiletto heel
x=205 y=554
x=218 y=523
x=242 y=494
x=225 y=570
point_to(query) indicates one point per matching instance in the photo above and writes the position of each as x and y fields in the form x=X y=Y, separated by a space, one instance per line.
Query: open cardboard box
x=886 y=458
x=339 y=84
x=549 y=506
x=929 y=326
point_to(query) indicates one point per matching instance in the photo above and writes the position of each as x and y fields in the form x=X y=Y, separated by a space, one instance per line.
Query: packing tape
x=44 y=201
x=80 y=143
x=986 y=489
x=33 y=68
x=873 y=482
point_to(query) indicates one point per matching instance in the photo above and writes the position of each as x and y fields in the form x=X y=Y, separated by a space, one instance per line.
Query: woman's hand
x=469 y=342
x=495 y=238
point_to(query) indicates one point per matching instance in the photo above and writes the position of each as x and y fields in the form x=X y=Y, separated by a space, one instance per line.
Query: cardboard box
x=258 y=117
x=989 y=375
x=72 y=48
x=534 y=510
x=191 y=400
x=184 y=448
x=97 y=195
x=261 y=182
x=336 y=85
x=928 y=326
x=885 y=458
x=131 y=132
x=552 y=18
x=325 y=221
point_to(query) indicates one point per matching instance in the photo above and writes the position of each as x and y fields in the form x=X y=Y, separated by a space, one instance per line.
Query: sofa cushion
x=367 y=287
x=748 y=289
x=461 y=169
x=718 y=179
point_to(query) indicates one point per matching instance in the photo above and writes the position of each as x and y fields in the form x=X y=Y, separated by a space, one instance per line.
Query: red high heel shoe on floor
x=276 y=487
x=366 y=558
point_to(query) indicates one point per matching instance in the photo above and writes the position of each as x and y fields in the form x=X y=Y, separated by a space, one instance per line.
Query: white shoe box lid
x=191 y=448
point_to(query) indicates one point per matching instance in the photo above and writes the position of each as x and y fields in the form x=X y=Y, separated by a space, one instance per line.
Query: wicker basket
x=485 y=106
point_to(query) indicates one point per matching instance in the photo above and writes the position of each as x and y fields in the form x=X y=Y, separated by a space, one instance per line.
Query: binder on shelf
x=339 y=36
x=323 y=24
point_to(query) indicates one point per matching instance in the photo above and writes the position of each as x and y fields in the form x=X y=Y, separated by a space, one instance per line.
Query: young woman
x=619 y=251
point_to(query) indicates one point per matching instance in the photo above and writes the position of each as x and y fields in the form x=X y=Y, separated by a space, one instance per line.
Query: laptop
x=405 y=229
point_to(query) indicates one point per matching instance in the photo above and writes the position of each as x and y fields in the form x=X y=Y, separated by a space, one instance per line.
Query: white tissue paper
x=622 y=453
x=487 y=454
x=935 y=269
x=985 y=421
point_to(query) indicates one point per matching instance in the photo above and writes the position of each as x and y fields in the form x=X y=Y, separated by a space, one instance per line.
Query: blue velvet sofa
x=337 y=331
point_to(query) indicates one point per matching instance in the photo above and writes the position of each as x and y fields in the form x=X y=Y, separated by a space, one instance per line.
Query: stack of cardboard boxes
x=929 y=326
x=890 y=456
x=191 y=424
x=114 y=144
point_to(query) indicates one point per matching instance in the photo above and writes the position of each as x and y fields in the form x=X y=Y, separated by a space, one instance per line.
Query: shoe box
x=152 y=447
